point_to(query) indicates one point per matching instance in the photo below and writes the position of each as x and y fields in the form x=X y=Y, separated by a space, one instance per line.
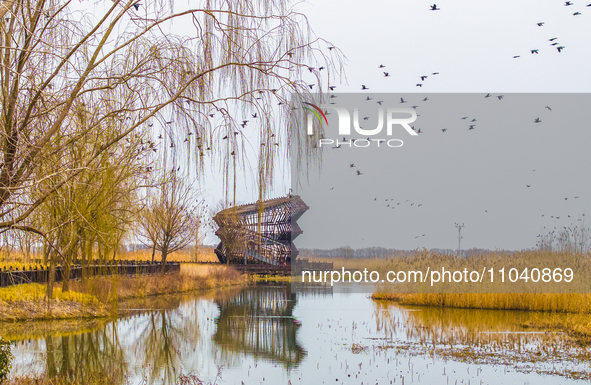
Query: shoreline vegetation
x=100 y=296
x=570 y=311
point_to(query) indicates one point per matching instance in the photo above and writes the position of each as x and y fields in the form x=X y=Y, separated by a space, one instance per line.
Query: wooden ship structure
x=260 y=233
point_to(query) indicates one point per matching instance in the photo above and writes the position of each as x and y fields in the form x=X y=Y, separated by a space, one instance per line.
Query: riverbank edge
x=104 y=304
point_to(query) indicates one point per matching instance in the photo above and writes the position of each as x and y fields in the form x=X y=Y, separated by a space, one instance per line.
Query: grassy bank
x=99 y=296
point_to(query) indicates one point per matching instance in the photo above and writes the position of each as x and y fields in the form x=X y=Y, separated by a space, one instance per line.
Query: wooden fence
x=9 y=277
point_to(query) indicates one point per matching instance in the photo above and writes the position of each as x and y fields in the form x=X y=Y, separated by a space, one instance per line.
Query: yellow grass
x=547 y=302
x=191 y=277
x=35 y=291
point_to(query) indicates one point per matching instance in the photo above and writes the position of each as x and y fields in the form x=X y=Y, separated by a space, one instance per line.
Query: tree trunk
x=164 y=255
x=153 y=252
x=51 y=278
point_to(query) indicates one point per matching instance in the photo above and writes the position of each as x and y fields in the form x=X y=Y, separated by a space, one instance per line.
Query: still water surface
x=266 y=334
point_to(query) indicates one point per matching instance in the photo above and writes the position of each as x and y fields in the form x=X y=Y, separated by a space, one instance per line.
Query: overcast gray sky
x=471 y=44
x=459 y=174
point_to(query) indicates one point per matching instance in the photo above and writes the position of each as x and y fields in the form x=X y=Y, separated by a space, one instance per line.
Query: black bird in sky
x=402 y=100
x=435 y=73
x=444 y=129
x=567 y=3
x=359 y=172
x=560 y=48
x=386 y=74
x=311 y=86
x=352 y=165
x=553 y=44
x=380 y=102
x=424 y=100
x=576 y=13
x=500 y=97
x=424 y=77
x=434 y=8
x=528 y=185
x=554 y=38
x=363 y=87
x=137 y=6
x=537 y=120
x=516 y=56
x=471 y=127
x=254 y=115
x=541 y=23
x=382 y=66
x=368 y=99
x=534 y=51
x=332 y=87
x=487 y=95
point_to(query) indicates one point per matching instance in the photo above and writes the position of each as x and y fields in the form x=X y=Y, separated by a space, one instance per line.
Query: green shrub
x=5 y=359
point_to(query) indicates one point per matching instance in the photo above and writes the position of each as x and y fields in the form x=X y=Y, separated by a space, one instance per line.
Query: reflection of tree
x=86 y=356
x=258 y=321
x=160 y=343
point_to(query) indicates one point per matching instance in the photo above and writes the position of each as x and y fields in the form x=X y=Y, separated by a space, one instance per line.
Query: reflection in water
x=488 y=330
x=264 y=334
x=259 y=321
x=86 y=356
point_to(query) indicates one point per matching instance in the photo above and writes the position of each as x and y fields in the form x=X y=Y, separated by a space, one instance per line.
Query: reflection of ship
x=261 y=232
x=259 y=321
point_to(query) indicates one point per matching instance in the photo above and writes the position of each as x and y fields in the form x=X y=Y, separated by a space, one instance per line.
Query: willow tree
x=122 y=61
x=115 y=58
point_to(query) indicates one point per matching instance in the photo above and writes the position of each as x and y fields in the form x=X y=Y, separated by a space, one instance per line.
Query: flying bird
x=549 y=108
x=137 y=6
x=444 y=129
x=386 y=74
x=359 y=172
x=419 y=85
x=516 y=56
x=560 y=48
x=363 y=87
x=434 y=7
x=567 y=3
x=500 y=97
x=576 y=13
x=537 y=120
x=382 y=66
x=534 y=51
x=554 y=38
x=402 y=100
x=540 y=24
x=424 y=77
